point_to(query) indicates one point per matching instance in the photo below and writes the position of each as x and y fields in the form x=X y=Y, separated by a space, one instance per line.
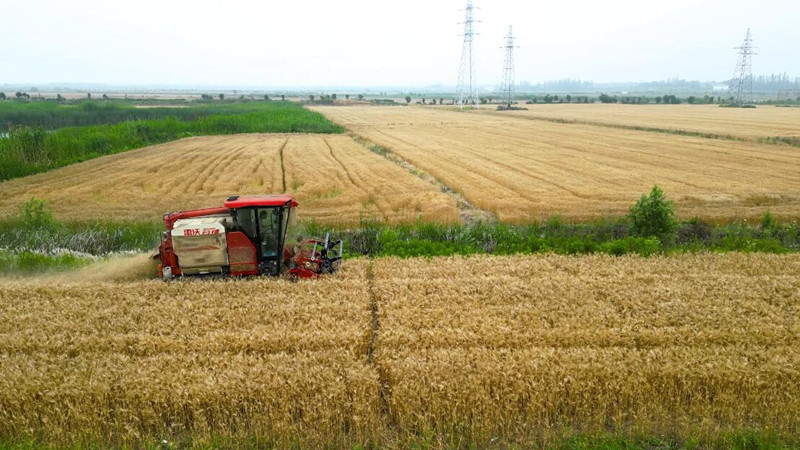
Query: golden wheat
x=764 y=121
x=336 y=181
x=526 y=170
x=485 y=348
x=504 y=346
x=124 y=362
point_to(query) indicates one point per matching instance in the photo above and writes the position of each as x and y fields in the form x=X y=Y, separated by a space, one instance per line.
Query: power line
x=467 y=93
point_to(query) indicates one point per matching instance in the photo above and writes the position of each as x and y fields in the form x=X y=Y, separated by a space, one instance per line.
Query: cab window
x=270 y=224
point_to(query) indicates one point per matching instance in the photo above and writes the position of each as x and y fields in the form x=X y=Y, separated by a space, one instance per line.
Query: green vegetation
x=614 y=237
x=27 y=150
x=729 y=440
x=653 y=216
x=35 y=231
x=52 y=115
x=790 y=140
x=28 y=262
x=650 y=229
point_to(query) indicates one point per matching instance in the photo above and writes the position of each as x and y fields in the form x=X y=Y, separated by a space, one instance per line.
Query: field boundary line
x=468 y=212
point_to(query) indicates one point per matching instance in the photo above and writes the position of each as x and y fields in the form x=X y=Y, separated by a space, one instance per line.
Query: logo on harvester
x=198 y=232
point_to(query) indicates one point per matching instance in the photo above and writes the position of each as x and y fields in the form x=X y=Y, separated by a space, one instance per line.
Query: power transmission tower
x=467 y=93
x=742 y=82
x=507 y=86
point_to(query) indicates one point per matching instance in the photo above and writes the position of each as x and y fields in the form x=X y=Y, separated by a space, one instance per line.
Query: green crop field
x=31 y=147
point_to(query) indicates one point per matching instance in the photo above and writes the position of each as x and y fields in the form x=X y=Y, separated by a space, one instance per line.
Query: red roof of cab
x=259 y=200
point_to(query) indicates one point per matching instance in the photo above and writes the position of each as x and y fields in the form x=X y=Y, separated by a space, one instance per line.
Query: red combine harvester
x=246 y=237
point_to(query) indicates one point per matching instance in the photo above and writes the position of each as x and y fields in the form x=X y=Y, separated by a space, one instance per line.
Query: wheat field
x=336 y=181
x=761 y=122
x=525 y=170
x=482 y=350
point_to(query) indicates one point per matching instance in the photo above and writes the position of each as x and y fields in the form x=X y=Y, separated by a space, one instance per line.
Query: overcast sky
x=366 y=43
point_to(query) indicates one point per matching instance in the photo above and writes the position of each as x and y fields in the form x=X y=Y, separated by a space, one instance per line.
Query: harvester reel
x=316 y=257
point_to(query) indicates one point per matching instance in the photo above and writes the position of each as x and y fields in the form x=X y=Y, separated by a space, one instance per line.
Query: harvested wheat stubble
x=524 y=346
x=336 y=177
x=525 y=170
x=761 y=122
x=336 y=181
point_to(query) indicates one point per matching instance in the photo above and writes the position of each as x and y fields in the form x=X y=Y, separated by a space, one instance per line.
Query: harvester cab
x=246 y=237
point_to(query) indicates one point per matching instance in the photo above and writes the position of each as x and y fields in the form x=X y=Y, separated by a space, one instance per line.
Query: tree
x=89 y=95
x=105 y=96
x=222 y=97
x=266 y=97
x=311 y=97
x=2 y=95
x=283 y=98
x=434 y=101
x=59 y=97
x=347 y=96
x=569 y=99
x=360 y=97
x=653 y=216
x=658 y=100
x=333 y=97
x=408 y=99
x=441 y=101
x=605 y=98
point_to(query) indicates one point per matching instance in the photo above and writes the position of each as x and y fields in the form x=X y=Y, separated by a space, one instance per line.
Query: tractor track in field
x=363 y=189
x=283 y=165
x=374 y=313
x=468 y=212
x=384 y=385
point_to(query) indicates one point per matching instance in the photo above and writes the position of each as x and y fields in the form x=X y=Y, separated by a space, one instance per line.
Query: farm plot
x=762 y=122
x=474 y=350
x=526 y=170
x=336 y=180
x=274 y=361
x=692 y=345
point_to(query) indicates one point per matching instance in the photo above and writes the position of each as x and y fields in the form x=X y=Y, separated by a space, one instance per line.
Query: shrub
x=28 y=143
x=695 y=230
x=738 y=243
x=29 y=262
x=36 y=213
x=632 y=245
x=653 y=216
x=768 y=222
